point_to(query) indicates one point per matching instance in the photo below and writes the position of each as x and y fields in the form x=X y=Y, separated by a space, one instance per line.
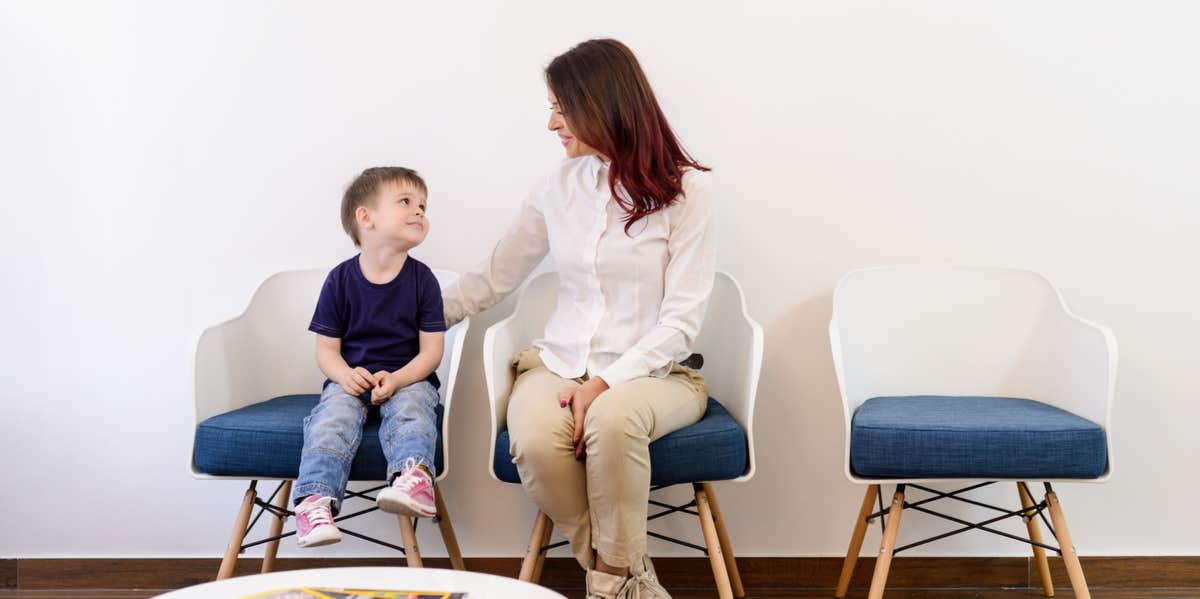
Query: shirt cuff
x=438 y=326
x=327 y=331
x=628 y=367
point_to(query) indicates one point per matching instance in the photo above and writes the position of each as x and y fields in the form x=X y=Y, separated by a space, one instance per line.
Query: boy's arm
x=426 y=362
x=330 y=361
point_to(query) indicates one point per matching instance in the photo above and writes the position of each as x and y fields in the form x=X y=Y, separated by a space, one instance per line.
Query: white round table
x=474 y=584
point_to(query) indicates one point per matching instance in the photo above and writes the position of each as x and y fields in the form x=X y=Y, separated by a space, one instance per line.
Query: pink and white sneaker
x=314 y=522
x=411 y=494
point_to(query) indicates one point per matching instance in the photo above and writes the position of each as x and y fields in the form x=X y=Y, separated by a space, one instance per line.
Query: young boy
x=380 y=332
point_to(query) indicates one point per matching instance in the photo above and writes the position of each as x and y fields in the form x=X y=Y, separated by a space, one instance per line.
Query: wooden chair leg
x=285 y=493
x=1035 y=535
x=735 y=577
x=529 y=564
x=447 y=529
x=541 y=558
x=713 y=543
x=1070 y=557
x=412 y=554
x=879 y=580
x=239 y=533
x=856 y=541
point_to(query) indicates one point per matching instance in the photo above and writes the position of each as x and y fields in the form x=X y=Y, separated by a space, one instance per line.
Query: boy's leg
x=409 y=428
x=332 y=433
x=408 y=434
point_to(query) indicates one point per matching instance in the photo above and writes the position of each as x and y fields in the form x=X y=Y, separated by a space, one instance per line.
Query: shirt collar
x=599 y=171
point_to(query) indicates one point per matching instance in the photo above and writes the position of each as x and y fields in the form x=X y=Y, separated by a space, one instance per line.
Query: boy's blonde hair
x=362 y=191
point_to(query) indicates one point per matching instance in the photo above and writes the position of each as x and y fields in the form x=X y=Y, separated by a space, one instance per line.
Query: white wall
x=160 y=159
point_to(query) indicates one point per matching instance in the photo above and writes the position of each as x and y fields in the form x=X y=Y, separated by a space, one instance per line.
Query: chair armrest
x=449 y=376
x=505 y=338
x=223 y=368
x=731 y=342
x=1077 y=371
x=500 y=343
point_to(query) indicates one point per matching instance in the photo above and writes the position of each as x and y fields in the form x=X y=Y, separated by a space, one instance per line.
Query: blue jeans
x=333 y=431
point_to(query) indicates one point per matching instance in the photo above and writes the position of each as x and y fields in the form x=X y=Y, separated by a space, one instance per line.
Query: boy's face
x=397 y=215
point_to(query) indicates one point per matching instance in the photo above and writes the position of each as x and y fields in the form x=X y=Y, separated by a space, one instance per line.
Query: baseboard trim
x=680 y=572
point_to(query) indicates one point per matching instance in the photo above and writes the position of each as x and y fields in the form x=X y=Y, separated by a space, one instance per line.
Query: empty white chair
x=968 y=374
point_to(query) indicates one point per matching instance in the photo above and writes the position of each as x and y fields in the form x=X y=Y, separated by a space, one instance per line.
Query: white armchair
x=732 y=345
x=268 y=352
x=905 y=333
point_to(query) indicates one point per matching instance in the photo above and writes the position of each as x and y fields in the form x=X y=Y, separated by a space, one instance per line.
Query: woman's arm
x=517 y=253
x=687 y=285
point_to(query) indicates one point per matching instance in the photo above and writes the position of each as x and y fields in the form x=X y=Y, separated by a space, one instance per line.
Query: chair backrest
x=730 y=341
x=268 y=350
x=940 y=330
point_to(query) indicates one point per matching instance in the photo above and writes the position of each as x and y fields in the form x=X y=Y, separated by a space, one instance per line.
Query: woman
x=628 y=222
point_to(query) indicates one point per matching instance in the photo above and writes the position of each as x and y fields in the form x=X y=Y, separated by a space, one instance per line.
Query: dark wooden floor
x=704 y=594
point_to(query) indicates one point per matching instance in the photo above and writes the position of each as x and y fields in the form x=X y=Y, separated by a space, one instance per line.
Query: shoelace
x=645 y=580
x=637 y=583
x=319 y=513
x=410 y=477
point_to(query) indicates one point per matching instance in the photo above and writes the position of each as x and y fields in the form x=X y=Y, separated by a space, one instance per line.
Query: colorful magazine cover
x=330 y=593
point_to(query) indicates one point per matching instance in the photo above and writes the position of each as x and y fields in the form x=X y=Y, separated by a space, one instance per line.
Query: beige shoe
x=601 y=585
x=643 y=584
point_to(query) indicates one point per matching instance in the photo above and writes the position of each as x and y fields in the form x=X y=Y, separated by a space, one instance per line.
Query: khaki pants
x=599 y=503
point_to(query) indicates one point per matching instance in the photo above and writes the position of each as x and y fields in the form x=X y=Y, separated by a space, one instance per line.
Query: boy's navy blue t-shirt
x=379 y=325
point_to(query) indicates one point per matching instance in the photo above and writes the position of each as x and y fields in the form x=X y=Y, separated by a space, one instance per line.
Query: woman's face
x=558 y=124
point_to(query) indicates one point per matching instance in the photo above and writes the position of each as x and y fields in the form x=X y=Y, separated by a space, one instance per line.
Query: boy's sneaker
x=314 y=522
x=411 y=494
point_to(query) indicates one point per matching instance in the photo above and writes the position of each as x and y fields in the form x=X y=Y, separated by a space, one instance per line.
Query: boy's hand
x=385 y=385
x=356 y=380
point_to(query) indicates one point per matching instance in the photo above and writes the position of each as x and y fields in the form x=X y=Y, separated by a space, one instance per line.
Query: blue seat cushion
x=712 y=449
x=264 y=440
x=934 y=436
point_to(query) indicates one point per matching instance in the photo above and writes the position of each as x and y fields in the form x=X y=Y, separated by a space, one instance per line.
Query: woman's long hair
x=605 y=97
